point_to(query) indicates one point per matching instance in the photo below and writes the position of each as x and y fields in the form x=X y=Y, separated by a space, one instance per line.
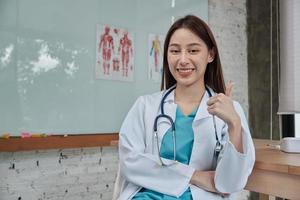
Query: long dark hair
x=213 y=76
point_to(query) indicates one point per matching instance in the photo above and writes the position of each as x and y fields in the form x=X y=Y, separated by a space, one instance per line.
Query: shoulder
x=146 y=103
x=150 y=99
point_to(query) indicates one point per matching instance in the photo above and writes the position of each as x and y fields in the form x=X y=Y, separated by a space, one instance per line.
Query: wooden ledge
x=14 y=144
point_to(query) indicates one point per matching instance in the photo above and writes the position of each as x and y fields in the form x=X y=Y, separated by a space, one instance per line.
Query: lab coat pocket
x=205 y=142
x=203 y=149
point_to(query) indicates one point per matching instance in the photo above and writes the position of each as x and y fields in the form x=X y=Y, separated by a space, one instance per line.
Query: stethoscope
x=162 y=114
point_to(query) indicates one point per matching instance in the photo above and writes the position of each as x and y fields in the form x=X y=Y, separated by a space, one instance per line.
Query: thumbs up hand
x=229 y=89
x=221 y=105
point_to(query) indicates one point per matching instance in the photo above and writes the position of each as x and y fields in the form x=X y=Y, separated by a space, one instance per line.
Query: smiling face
x=188 y=57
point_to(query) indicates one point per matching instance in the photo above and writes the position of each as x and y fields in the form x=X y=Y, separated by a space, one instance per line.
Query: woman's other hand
x=205 y=180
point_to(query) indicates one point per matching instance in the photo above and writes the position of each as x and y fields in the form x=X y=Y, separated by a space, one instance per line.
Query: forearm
x=144 y=169
x=235 y=134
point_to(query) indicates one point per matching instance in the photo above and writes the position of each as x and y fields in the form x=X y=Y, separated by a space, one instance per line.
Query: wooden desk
x=275 y=173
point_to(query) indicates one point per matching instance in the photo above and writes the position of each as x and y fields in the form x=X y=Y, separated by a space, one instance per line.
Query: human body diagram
x=126 y=50
x=105 y=49
x=115 y=59
x=155 y=42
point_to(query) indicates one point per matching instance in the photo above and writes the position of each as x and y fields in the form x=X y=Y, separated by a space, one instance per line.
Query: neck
x=190 y=94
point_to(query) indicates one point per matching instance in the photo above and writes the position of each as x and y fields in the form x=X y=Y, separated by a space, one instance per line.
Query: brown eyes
x=193 y=51
x=190 y=51
x=173 y=51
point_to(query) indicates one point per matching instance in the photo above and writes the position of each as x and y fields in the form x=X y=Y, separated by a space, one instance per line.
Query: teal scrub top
x=184 y=145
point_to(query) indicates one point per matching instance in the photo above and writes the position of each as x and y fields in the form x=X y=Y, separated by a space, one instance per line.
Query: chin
x=185 y=83
x=188 y=82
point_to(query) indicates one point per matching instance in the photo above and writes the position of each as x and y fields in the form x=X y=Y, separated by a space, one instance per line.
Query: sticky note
x=25 y=135
x=5 y=135
x=38 y=135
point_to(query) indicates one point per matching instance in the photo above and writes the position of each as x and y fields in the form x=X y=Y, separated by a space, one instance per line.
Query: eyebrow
x=189 y=45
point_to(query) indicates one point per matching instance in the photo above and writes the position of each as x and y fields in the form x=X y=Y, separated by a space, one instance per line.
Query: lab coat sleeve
x=234 y=167
x=143 y=169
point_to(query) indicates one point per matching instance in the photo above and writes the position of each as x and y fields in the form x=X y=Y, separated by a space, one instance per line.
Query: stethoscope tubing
x=218 y=147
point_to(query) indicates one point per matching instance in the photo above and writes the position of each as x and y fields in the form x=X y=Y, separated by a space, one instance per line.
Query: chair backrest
x=117 y=187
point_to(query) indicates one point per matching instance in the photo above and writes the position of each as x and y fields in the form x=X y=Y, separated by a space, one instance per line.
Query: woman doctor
x=190 y=141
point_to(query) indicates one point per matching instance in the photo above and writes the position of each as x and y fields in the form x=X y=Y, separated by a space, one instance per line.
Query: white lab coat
x=139 y=162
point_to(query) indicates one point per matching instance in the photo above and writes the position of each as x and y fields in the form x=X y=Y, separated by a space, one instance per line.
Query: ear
x=211 y=55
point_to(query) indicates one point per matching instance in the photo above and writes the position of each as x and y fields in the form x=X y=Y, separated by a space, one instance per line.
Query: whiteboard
x=48 y=58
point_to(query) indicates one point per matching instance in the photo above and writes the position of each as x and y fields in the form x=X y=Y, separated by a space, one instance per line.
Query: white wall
x=88 y=173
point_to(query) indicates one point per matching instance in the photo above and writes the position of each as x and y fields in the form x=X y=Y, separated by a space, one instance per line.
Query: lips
x=185 y=71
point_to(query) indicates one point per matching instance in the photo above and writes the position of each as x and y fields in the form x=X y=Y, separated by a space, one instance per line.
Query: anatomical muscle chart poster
x=114 y=53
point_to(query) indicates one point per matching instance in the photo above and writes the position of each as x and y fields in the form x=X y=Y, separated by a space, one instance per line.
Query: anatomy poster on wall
x=114 y=53
x=155 y=56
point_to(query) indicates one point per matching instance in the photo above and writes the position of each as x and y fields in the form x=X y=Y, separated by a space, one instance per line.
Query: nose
x=183 y=58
